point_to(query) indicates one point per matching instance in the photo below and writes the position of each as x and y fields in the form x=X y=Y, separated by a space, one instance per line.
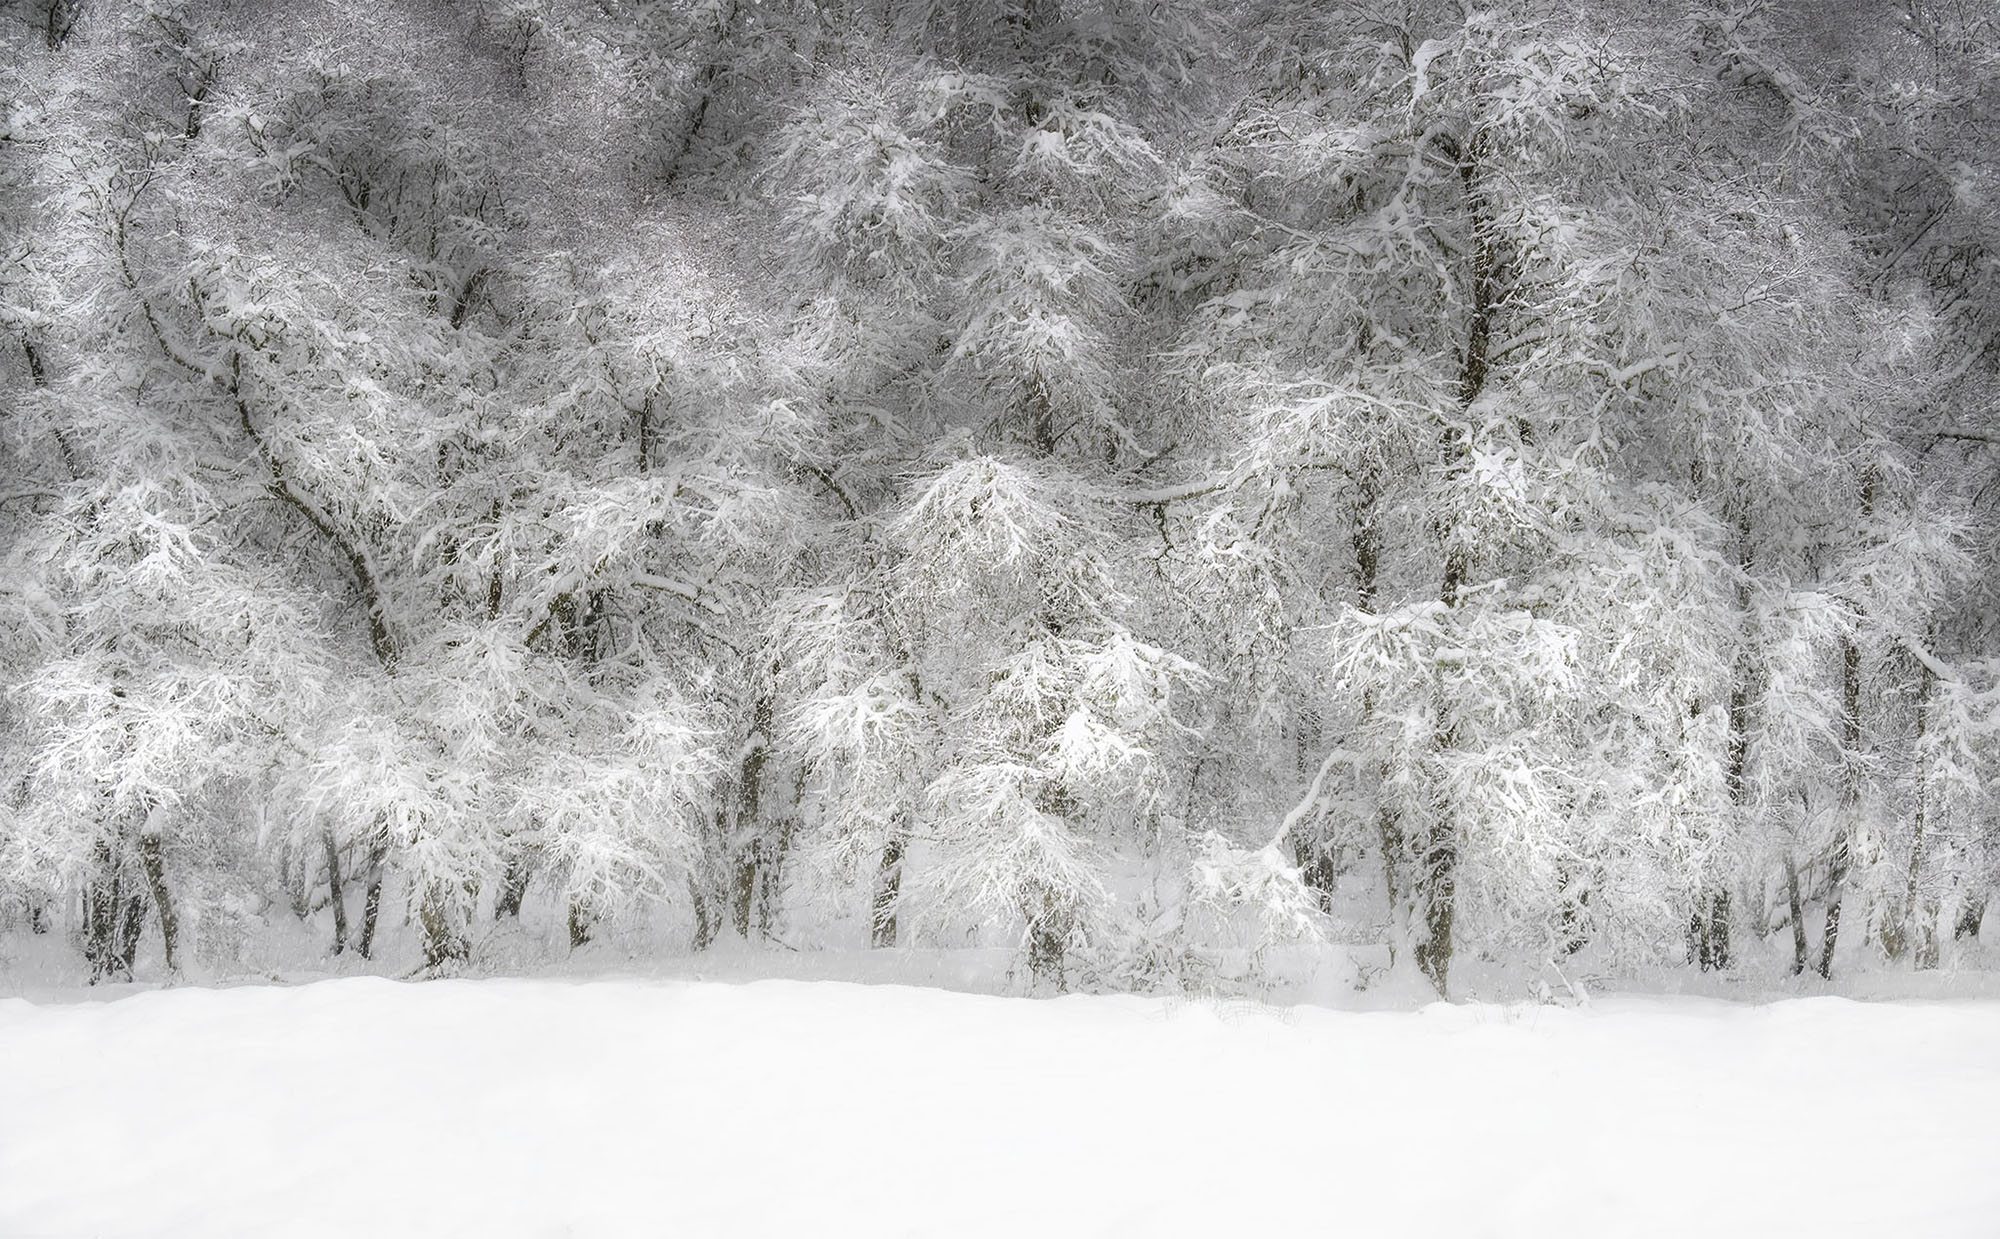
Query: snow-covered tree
x=1127 y=479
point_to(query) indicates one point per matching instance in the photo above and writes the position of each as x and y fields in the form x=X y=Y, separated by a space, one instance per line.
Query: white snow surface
x=626 y=1107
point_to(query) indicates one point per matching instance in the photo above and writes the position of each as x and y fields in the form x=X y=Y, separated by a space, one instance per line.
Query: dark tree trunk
x=707 y=916
x=336 y=893
x=1434 y=876
x=1969 y=915
x=1711 y=945
x=1367 y=541
x=371 y=905
x=154 y=869
x=1434 y=880
x=705 y=79
x=101 y=900
x=1389 y=834
x=579 y=924
x=371 y=916
x=496 y=576
x=1041 y=417
x=444 y=942
x=1572 y=925
x=1317 y=868
x=771 y=878
x=513 y=887
x=1832 y=934
x=743 y=886
x=712 y=882
x=1850 y=798
x=1437 y=892
x=1850 y=784
x=1312 y=850
x=38 y=373
x=646 y=433
x=1907 y=912
x=888 y=889
x=297 y=874
x=1049 y=925
x=58 y=20
x=1709 y=932
x=110 y=935
x=1795 y=903
x=130 y=927
x=1914 y=906
x=749 y=859
x=1046 y=950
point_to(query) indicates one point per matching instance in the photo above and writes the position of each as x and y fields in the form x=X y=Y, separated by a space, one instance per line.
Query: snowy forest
x=1142 y=485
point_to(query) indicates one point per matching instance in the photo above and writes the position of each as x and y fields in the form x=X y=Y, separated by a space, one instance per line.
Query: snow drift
x=784 y=1108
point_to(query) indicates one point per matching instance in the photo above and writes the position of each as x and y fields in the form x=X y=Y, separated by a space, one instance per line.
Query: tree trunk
x=682 y=145
x=747 y=839
x=1831 y=934
x=1312 y=851
x=1850 y=783
x=1317 y=868
x=297 y=877
x=101 y=900
x=1796 y=904
x=1389 y=834
x=1895 y=932
x=113 y=916
x=513 y=887
x=743 y=887
x=1710 y=934
x=1049 y=925
x=888 y=888
x=1970 y=914
x=1709 y=943
x=444 y=941
x=1571 y=926
x=1927 y=952
x=130 y=928
x=154 y=869
x=336 y=893
x=1850 y=797
x=371 y=904
x=1367 y=542
x=707 y=917
x=1436 y=887
x=771 y=878
x=1434 y=879
x=58 y=20
x=1434 y=883
x=579 y=924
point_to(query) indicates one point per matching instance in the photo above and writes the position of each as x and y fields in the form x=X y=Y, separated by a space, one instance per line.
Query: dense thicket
x=1124 y=478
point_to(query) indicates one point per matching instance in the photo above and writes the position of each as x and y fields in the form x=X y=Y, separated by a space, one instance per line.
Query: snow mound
x=820 y=1109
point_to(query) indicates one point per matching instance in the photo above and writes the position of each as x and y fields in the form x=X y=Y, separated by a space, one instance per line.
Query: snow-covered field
x=615 y=1107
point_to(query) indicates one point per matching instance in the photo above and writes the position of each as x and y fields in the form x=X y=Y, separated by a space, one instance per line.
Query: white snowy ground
x=813 y=1109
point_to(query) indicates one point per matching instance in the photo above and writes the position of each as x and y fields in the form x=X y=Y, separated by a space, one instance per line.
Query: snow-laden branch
x=1966 y=434
x=1315 y=795
x=680 y=589
x=1173 y=494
